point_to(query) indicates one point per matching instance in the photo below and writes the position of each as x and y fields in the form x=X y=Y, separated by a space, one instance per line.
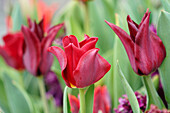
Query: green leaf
x=66 y=105
x=18 y=100
x=166 y=5
x=89 y=97
x=131 y=96
x=163 y=33
x=17 y=18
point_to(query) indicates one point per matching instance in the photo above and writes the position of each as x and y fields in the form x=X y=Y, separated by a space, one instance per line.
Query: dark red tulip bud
x=144 y=48
x=80 y=62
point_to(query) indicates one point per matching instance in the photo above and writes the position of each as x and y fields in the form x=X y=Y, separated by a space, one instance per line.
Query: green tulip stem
x=86 y=19
x=21 y=78
x=42 y=92
x=82 y=101
x=152 y=95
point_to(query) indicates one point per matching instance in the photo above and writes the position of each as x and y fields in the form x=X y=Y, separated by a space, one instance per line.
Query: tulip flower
x=144 y=48
x=101 y=101
x=12 y=50
x=54 y=88
x=80 y=63
x=37 y=60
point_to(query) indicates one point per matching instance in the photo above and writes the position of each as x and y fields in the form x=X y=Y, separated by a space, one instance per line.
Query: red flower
x=80 y=63
x=12 y=50
x=101 y=101
x=37 y=60
x=144 y=48
x=45 y=12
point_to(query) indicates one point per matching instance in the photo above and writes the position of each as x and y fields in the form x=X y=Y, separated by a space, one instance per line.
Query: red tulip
x=101 y=101
x=144 y=48
x=80 y=63
x=12 y=50
x=37 y=60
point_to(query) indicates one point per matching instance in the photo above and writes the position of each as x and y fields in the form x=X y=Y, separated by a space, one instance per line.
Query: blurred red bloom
x=46 y=12
x=101 y=101
x=12 y=50
x=80 y=63
x=144 y=48
x=37 y=60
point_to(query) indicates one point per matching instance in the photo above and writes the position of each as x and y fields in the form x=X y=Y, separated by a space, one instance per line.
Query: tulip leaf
x=163 y=33
x=17 y=18
x=131 y=96
x=66 y=105
x=89 y=97
x=18 y=99
x=166 y=5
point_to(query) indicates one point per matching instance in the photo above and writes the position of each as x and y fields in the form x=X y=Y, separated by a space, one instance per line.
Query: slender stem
x=42 y=92
x=82 y=101
x=87 y=20
x=153 y=97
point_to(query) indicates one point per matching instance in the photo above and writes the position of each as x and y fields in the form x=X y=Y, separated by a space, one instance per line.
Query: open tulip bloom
x=80 y=62
x=144 y=48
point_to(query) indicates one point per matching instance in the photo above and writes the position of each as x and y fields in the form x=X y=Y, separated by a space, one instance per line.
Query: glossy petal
x=70 y=39
x=12 y=50
x=91 y=68
x=47 y=58
x=59 y=53
x=127 y=42
x=74 y=103
x=32 y=52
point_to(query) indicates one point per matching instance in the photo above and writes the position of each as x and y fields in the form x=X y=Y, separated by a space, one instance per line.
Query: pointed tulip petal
x=144 y=49
x=91 y=68
x=47 y=58
x=32 y=51
x=127 y=42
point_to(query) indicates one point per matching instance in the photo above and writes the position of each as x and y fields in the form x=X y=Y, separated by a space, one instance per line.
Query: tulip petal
x=158 y=48
x=74 y=103
x=60 y=54
x=132 y=28
x=32 y=52
x=144 y=17
x=88 y=43
x=143 y=49
x=73 y=54
x=70 y=39
x=101 y=100
x=47 y=58
x=91 y=68
x=127 y=42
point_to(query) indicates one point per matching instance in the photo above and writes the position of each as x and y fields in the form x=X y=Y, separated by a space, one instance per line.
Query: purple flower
x=152 y=28
x=125 y=107
x=154 y=109
x=54 y=88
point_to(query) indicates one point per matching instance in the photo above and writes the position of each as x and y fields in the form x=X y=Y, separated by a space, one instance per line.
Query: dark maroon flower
x=12 y=50
x=154 y=109
x=125 y=107
x=144 y=48
x=54 y=88
x=80 y=62
x=37 y=59
x=101 y=101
